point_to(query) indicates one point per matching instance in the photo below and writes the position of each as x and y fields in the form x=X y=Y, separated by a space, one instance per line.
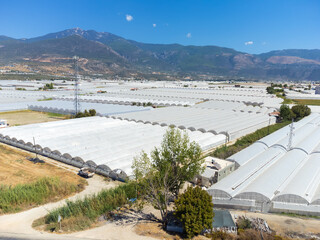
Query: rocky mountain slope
x=102 y=52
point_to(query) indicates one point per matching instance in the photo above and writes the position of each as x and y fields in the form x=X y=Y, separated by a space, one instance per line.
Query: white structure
x=104 y=144
x=3 y=123
x=233 y=124
x=271 y=178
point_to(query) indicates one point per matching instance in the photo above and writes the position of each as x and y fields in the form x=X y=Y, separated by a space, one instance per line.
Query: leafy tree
x=194 y=209
x=162 y=175
x=301 y=111
x=286 y=113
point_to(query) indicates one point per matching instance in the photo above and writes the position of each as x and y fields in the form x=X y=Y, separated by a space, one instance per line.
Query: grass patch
x=226 y=151
x=56 y=115
x=45 y=99
x=24 y=196
x=307 y=102
x=82 y=214
x=285 y=100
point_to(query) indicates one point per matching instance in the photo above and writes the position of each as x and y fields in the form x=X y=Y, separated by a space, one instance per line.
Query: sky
x=252 y=26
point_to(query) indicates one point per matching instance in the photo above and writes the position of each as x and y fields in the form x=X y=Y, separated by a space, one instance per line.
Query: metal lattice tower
x=291 y=134
x=76 y=85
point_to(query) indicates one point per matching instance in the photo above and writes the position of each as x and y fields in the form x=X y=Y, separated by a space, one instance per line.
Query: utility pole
x=290 y=136
x=35 y=148
x=76 y=85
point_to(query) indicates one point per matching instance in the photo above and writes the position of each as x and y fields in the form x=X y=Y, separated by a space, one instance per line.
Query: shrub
x=86 y=113
x=244 y=223
x=300 y=111
x=94 y=206
x=220 y=235
x=194 y=209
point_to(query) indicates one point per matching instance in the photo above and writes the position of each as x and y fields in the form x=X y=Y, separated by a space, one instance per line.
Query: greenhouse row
x=278 y=173
x=99 y=142
x=230 y=123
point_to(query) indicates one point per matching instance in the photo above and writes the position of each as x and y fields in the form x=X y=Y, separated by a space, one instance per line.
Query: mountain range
x=106 y=53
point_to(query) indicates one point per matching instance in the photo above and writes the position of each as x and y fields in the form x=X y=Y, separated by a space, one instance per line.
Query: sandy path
x=19 y=225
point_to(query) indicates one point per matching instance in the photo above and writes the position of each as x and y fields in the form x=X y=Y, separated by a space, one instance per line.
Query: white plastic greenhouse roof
x=270 y=171
x=105 y=141
x=232 y=124
x=101 y=109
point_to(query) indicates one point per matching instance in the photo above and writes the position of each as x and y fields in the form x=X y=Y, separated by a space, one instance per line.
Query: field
x=307 y=102
x=16 y=118
x=18 y=174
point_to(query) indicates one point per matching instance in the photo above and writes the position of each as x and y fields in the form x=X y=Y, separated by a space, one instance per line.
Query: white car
x=3 y=123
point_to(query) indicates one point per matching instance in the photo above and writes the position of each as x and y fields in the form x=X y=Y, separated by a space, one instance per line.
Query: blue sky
x=252 y=26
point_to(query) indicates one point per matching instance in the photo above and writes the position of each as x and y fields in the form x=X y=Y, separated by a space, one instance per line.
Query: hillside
x=102 y=52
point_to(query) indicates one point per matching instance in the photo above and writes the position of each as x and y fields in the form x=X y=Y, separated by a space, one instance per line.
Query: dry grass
x=307 y=102
x=16 y=118
x=16 y=169
x=18 y=174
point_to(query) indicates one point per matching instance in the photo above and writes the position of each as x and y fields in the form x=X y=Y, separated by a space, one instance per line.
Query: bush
x=300 y=111
x=94 y=206
x=244 y=223
x=220 y=235
x=86 y=113
x=194 y=209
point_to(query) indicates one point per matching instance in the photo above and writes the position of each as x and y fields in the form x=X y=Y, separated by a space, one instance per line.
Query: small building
x=223 y=221
x=215 y=170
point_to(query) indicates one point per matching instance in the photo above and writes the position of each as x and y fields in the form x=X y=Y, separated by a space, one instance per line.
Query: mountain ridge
x=116 y=55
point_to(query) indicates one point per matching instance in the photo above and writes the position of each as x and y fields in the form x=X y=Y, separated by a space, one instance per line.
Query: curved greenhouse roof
x=274 y=175
x=102 y=141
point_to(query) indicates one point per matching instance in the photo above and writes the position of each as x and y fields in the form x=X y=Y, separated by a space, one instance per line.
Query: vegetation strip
x=24 y=196
x=82 y=214
x=226 y=151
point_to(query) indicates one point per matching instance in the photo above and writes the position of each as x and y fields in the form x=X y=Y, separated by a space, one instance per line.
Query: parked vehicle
x=3 y=123
x=85 y=172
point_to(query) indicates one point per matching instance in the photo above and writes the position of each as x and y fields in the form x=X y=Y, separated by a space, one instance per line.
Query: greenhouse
x=107 y=145
x=233 y=124
x=279 y=173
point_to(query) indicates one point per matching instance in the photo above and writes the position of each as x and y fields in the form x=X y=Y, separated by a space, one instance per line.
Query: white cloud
x=129 y=18
x=188 y=35
x=248 y=43
x=154 y=25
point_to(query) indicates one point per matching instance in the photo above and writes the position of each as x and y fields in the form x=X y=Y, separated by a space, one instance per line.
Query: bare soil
x=294 y=227
x=16 y=118
x=15 y=168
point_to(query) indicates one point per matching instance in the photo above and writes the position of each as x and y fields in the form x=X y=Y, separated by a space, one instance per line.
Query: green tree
x=286 y=113
x=300 y=111
x=162 y=175
x=194 y=209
